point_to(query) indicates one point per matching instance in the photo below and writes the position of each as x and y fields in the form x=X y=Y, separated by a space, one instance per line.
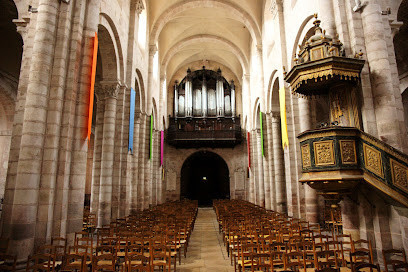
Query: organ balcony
x=204 y=112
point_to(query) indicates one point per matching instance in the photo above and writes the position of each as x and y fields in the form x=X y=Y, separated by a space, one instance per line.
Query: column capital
x=152 y=49
x=275 y=116
x=105 y=89
x=139 y=7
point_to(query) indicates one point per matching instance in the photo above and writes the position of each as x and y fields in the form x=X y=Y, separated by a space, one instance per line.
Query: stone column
x=147 y=166
x=305 y=122
x=381 y=85
x=279 y=167
x=141 y=162
x=135 y=179
x=110 y=92
x=254 y=166
x=270 y=162
x=350 y=218
x=96 y=172
x=22 y=199
x=261 y=185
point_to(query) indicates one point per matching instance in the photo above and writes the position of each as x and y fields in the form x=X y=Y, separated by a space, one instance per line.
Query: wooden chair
x=295 y=261
x=40 y=262
x=138 y=262
x=363 y=246
x=260 y=262
x=328 y=269
x=159 y=257
x=364 y=266
x=277 y=260
x=393 y=257
x=8 y=262
x=104 y=262
x=73 y=262
x=326 y=258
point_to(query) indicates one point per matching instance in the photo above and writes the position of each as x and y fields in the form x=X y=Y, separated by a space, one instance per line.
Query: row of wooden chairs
x=284 y=243
x=145 y=241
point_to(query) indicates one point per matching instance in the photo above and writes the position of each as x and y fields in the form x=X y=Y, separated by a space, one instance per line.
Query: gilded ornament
x=399 y=175
x=372 y=160
x=348 y=151
x=324 y=153
x=306 y=156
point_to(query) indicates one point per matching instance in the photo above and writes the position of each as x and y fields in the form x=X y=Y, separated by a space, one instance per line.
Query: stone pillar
x=261 y=185
x=141 y=162
x=326 y=14
x=278 y=163
x=381 y=85
x=254 y=168
x=110 y=92
x=135 y=179
x=350 y=218
x=96 y=172
x=305 y=122
x=270 y=162
x=22 y=199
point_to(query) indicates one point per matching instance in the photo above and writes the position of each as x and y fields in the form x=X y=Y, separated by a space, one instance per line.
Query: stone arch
x=109 y=43
x=257 y=108
x=232 y=8
x=274 y=100
x=301 y=33
x=269 y=94
x=203 y=39
x=141 y=85
x=10 y=55
x=205 y=175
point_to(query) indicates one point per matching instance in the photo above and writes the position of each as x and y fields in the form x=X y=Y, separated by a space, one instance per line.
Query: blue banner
x=131 y=118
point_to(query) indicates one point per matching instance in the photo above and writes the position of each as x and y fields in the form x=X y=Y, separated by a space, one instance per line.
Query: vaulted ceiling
x=198 y=30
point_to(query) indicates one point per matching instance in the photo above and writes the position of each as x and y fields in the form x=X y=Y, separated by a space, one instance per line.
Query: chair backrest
x=40 y=262
x=260 y=262
x=8 y=262
x=73 y=261
x=295 y=261
x=361 y=266
x=104 y=262
x=137 y=262
x=393 y=257
x=326 y=258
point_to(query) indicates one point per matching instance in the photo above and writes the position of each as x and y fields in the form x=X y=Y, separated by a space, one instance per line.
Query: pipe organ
x=204 y=112
x=204 y=93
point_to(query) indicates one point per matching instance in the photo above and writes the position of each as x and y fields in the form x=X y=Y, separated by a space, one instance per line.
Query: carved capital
x=139 y=7
x=106 y=89
x=152 y=49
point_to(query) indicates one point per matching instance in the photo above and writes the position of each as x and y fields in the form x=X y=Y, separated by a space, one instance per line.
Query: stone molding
x=273 y=8
x=22 y=25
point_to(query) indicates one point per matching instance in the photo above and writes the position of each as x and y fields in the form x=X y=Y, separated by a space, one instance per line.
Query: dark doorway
x=204 y=177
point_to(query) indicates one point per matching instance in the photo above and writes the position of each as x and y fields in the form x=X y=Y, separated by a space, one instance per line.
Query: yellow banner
x=284 y=124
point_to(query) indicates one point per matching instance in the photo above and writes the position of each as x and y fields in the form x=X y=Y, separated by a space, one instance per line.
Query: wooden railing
x=204 y=132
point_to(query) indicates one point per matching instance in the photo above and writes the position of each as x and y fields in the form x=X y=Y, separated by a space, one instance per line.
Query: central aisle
x=206 y=251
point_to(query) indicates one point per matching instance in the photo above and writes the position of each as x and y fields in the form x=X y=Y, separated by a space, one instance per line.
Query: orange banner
x=91 y=91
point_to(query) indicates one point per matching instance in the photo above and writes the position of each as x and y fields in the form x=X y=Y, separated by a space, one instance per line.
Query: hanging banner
x=151 y=137
x=262 y=137
x=161 y=147
x=249 y=150
x=91 y=90
x=131 y=119
x=284 y=125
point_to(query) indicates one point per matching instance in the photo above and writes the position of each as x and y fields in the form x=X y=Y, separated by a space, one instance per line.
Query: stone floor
x=206 y=251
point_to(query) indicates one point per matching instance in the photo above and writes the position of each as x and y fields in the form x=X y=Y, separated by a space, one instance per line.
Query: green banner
x=262 y=138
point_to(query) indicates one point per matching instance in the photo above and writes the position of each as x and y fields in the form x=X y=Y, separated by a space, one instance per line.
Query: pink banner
x=161 y=147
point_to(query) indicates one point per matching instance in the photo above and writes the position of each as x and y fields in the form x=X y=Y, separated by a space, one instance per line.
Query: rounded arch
x=205 y=39
x=269 y=94
x=139 y=78
x=232 y=8
x=204 y=177
x=274 y=100
x=108 y=28
x=298 y=37
x=255 y=117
